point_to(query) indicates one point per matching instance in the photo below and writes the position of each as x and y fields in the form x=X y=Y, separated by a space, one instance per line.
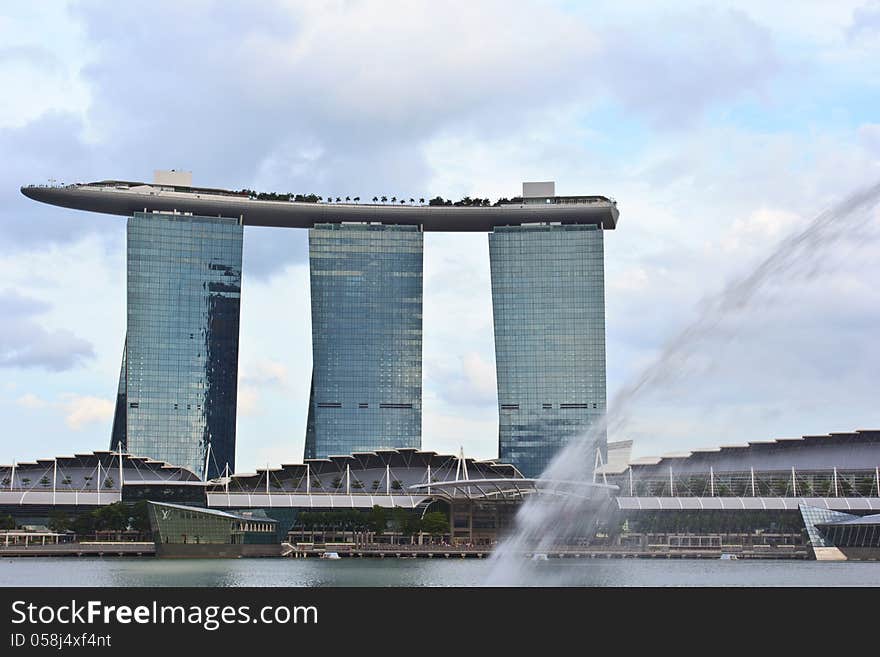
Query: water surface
x=120 y=571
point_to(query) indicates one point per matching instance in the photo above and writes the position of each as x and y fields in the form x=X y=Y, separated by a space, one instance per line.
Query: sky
x=718 y=127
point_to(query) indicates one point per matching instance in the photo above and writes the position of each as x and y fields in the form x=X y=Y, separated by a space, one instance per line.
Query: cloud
x=248 y=400
x=256 y=378
x=82 y=410
x=24 y=343
x=31 y=402
x=469 y=380
x=865 y=21
x=672 y=75
x=869 y=134
x=264 y=372
x=79 y=411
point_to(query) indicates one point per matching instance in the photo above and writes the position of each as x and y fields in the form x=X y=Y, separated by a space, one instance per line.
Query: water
x=546 y=519
x=119 y=571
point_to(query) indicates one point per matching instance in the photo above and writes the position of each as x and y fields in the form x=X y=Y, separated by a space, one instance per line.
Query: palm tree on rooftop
x=375 y=199
x=384 y=199
x=357 y=199
x=393 y=199
x=421 y=201
x=347 y=199
x=412 y=200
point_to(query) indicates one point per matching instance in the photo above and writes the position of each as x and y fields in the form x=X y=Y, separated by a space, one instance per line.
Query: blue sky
x=719 y=127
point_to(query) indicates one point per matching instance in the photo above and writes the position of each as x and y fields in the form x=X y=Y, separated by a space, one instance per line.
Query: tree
x=375 y=199
x=396 y=485
x=393 y=199
x=7 y=522
x=58 y=521
x=347 y=199
x=113 y=516
x=45 y=481
x=384 y=199
x=337 y=482
x=421 y=201
x=84 y=523
x=435 y=523
x=338 y=199
x=357 y=199
x=139 y=518
x=378 y=519
x=412 y=200
x=399 y=519
x=26 y=480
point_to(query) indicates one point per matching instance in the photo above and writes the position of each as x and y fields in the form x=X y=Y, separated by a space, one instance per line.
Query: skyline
x=756 y=130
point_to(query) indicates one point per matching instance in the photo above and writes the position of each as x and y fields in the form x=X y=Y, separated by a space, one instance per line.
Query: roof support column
x=877 y=478
x=752 y=472
x=308 y=480
x=793 y=483
x=54 y=478
x=711 y=481
x=835 y=482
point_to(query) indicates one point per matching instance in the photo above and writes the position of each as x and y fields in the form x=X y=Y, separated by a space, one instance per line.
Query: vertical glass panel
x=366 y=287
x=181 y=360
x=548 y=301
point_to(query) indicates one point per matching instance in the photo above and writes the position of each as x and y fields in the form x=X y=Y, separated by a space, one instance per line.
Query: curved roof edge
x=788 y=443
x=595 y=210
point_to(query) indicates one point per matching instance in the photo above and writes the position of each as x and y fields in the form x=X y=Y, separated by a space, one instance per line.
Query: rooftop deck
x=125 y=198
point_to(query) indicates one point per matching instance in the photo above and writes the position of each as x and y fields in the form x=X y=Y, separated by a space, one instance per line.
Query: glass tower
x=548 y=301
x=179 y=376
x=366 y=286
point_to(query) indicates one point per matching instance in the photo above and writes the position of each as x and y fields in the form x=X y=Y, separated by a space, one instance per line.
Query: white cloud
x=78 y=411
x=31 y=402
x=248 y=400
x=81 y=411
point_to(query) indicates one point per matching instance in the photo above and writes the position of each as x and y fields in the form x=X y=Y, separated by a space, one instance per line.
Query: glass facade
x=366 y=287
x=179 y=379
x=548 y=300
x=172 y=523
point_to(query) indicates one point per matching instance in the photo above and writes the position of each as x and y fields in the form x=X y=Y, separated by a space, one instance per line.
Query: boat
x=539 y=556
x=330 y=555
x=727 y=556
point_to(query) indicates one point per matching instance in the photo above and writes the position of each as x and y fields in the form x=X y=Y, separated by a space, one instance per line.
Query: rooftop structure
x=126 y=197
x=838 y=471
